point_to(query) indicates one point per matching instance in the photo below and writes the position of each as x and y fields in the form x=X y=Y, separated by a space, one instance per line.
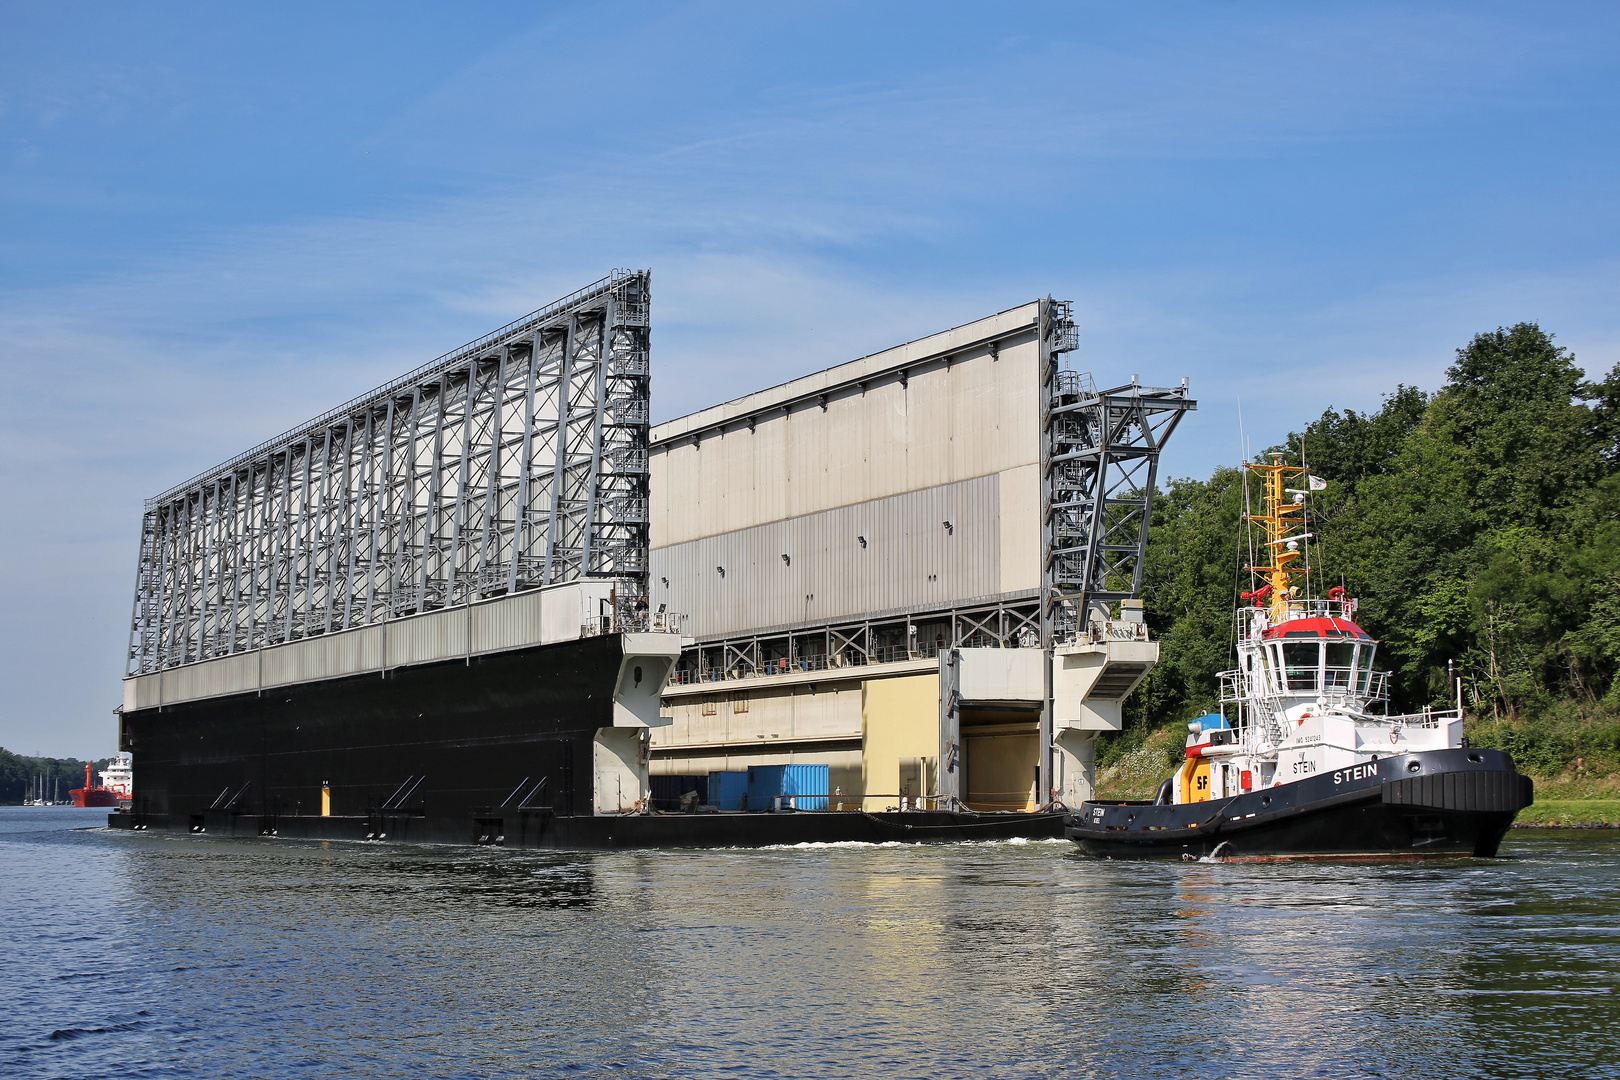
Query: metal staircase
x=1100 y=457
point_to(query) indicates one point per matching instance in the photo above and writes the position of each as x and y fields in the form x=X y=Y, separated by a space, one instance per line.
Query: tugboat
x=1304 y=759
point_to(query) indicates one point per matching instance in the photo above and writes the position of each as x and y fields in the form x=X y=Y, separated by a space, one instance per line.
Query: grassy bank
x=1568 y=743
x=1135 y=770
x=1571 y=812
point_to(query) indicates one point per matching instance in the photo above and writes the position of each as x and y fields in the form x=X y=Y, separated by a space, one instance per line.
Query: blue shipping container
x=800 y=787
x=727 y=790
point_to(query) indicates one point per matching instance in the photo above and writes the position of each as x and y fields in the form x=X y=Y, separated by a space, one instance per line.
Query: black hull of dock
x=1436 y=804
x=494 y=750
x=431 y=743
x=543 y=829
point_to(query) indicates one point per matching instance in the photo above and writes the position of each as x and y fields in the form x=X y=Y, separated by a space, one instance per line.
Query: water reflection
x=183 y=956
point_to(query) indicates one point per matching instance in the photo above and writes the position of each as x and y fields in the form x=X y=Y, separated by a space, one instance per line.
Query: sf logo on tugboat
x=1360 y=772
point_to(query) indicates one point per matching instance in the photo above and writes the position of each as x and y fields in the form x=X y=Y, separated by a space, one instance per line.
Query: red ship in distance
x=90 y=795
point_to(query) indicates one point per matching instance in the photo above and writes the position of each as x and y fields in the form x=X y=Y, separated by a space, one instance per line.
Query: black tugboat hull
x=1435 y=804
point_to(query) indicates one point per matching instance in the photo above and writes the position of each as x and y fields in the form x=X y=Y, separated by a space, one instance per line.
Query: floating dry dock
x=489 y=602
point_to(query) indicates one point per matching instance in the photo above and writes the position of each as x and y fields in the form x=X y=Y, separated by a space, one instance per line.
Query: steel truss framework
x=918 y=635
x=1100 y=456
x=516 y=461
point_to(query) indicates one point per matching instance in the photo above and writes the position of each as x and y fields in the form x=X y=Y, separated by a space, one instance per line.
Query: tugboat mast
x=1283 y=527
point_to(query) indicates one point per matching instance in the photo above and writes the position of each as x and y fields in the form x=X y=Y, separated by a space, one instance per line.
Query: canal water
x=134 y=955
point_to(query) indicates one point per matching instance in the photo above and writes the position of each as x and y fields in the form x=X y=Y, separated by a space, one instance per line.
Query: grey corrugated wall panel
x=227 y=675
x=282 y=663
x=328 y=656
x=569 y=607
x=142 y=692
x=441 y=635
x=910 y=560
x=508 y=624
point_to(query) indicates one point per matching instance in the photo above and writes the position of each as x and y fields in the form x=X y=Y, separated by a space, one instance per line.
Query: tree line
x=1480 y=527
x=19 y=774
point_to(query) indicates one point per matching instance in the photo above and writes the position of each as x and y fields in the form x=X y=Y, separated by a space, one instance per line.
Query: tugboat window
x=1364 y=667
x=1341 y=664
x=1301 y=659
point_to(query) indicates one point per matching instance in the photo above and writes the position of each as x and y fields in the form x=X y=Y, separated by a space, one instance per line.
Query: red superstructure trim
x=1336 y=628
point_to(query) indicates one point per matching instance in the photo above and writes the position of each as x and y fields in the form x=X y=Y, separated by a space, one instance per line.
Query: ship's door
x=1195 y=781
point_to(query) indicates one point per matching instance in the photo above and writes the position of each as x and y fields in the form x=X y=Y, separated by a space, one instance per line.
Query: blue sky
x=218 y=220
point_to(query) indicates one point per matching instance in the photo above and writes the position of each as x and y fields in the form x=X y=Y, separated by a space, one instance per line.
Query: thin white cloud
x=812 y=221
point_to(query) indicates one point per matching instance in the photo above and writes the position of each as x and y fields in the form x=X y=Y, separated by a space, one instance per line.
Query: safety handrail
x=801 y=664
x=844 y=800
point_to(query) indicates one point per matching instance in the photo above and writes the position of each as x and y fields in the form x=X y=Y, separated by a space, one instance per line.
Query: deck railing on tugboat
x=1241 y=706
x=1373 y=690
x=1322 y=609
x=1251 y=708
x=1299 y=609
x=1427 y=718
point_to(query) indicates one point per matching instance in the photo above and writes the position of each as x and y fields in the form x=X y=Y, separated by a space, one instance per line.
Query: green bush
x=1554 y=741
x=1111 y=747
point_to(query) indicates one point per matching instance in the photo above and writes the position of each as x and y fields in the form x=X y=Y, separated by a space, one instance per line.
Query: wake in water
x=1017 y=841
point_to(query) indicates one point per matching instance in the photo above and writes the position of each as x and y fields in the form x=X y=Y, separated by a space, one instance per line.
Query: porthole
x=1414 y=766
x=1265 y=800
x=1476 y=758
